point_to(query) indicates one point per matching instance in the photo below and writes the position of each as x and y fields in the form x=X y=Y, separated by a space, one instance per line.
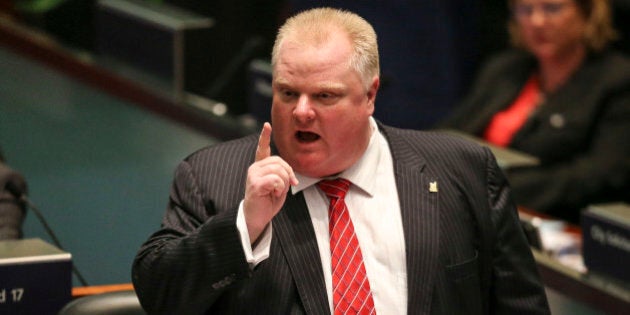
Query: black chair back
x=110 y=303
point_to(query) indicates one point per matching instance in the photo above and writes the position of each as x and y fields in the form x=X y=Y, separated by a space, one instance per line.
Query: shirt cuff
x=261 y=252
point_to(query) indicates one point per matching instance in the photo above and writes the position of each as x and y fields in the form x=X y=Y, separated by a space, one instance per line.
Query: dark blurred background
x=430 y=50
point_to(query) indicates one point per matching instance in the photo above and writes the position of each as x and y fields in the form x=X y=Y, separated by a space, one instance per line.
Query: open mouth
x=306 y=136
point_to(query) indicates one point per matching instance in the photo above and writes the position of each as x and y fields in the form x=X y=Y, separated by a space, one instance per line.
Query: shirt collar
x=362 y=173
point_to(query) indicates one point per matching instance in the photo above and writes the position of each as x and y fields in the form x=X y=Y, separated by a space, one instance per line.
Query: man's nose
x=303 y=111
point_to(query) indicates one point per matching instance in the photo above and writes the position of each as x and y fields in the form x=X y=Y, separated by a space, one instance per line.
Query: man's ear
x=373 y=89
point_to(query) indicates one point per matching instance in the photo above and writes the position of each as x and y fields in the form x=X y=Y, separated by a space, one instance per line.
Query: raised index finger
x=264 y=150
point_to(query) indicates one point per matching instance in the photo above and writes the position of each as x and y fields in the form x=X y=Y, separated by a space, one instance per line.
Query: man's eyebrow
x=331 y=86
x=282 y=83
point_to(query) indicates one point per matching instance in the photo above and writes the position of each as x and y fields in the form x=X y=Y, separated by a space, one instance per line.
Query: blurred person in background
x=561 y=95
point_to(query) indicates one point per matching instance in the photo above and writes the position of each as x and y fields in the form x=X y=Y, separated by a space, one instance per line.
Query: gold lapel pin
x=433 y=187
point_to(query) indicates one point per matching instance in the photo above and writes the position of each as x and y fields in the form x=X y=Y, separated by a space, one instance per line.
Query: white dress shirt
x=375 y=212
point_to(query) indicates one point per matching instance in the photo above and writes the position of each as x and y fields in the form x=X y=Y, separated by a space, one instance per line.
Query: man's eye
x=288 y=94
x=325 y=95
x=328 y=98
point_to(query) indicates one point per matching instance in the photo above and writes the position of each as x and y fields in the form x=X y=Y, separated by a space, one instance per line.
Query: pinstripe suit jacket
x=465 y=250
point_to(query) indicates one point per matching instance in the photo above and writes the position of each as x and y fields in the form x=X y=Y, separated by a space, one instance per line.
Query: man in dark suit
x=247 y=226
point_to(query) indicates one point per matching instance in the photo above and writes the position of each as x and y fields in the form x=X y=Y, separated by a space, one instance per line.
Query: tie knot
x=334 y=188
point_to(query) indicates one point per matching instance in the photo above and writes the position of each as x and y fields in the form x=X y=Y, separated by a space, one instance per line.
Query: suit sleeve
x=516 y=287
x=193 y=258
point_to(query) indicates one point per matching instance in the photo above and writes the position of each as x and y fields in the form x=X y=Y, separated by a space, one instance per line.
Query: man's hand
x=268 y=181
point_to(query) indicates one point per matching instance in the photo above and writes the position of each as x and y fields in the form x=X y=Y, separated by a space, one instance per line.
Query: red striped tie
x=351 y=288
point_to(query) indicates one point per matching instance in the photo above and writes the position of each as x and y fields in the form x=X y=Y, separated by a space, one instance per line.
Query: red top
x=507 y=122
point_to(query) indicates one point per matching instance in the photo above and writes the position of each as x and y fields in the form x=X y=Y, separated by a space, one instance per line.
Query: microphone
x=12 y=210
x=15 y=184
x=12 y=181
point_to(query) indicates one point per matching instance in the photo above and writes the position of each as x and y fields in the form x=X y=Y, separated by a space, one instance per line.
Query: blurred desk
x=597 y=291
x=123 y=81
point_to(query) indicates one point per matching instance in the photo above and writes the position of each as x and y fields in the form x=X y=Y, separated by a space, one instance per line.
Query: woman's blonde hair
x=599 y=30
x=318 y=24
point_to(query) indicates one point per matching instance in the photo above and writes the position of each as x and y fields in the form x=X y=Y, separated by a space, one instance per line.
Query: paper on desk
x=565 y=247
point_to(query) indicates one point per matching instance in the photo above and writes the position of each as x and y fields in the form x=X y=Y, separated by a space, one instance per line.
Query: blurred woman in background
x=562 y=96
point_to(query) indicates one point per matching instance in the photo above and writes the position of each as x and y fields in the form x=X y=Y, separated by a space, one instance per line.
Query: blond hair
x=599 y=31
x=316 y=25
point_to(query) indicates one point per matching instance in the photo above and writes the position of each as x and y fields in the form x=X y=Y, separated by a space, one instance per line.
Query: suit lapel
x=420 y=215
x=296 y=236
